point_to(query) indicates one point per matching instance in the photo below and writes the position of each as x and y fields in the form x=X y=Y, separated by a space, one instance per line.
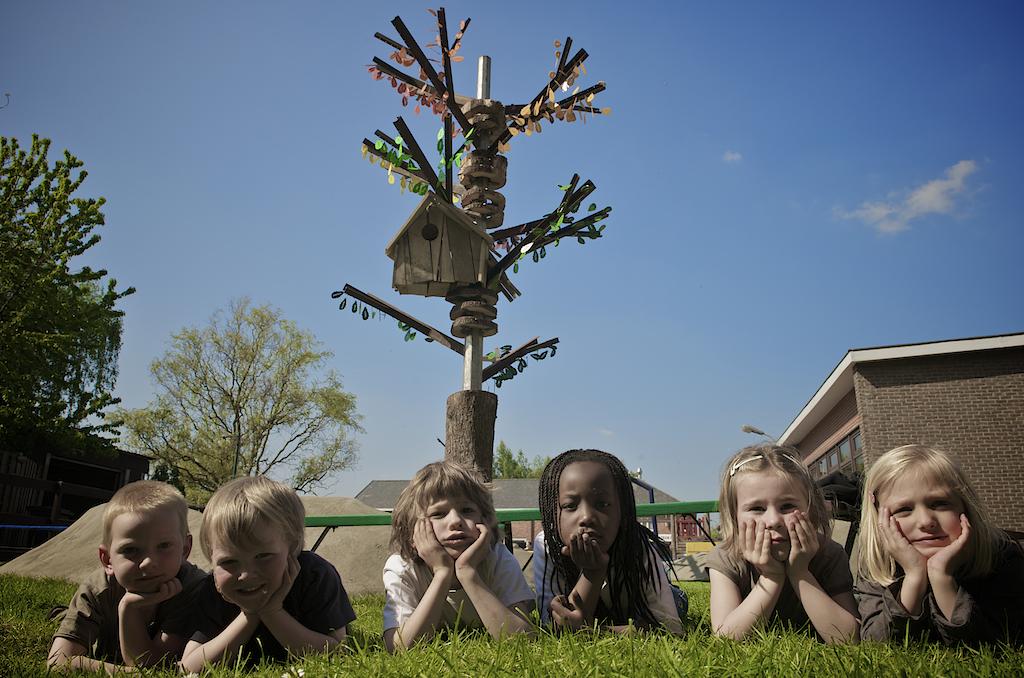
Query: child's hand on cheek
x=756 y=546
x=803 y=541
x=247 y=604
x=429 y=549
x=948 y=560
x=586 y=553
x=276 y=599
x=475 y=554
x=167 y=590
x=898 y=546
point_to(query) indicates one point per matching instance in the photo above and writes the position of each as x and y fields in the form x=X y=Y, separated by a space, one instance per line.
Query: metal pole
x=483 y=78
x=473 y=359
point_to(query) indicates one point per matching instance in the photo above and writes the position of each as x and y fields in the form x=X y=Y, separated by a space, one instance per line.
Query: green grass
x=25 y=636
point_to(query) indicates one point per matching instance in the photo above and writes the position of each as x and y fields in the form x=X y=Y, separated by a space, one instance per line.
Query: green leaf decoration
x=343 y=304
x=580 y=239
x=543 y=253
x=366 y=314
x=355 y=306
x=428 y=340
x=515 y=267
x=379 y=145
x=593 y=206
x=534 y=256
x=563 y=188
x=399 y=141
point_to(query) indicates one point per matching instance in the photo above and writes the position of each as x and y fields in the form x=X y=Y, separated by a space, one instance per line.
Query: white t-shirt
x=405 y=584
x=659 y=599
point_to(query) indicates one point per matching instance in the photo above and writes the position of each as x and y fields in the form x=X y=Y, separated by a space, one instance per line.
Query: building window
x=844 y=450
x=847 y=456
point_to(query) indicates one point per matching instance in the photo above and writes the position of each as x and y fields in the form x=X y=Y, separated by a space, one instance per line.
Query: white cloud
x=605 y=432
x=937 y=196
x=732 y=157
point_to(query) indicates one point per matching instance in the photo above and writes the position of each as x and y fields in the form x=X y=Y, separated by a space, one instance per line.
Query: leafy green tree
x=508 y=465
x=245 y=395
x=60 y=333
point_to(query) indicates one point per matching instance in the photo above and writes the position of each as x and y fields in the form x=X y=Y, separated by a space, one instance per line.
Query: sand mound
x=358 y=552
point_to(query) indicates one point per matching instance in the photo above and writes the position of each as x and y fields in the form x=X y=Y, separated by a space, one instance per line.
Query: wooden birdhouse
x=439 y=246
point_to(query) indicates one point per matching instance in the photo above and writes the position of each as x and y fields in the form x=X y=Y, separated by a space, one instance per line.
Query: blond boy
x=266 y=598
x=129 y=611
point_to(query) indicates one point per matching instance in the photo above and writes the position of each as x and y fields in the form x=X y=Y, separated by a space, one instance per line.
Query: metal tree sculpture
x=441 y=252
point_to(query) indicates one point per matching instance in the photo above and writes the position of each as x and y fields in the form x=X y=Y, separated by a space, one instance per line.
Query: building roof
x=508 y=493
x=840 y=381
x=452 y=213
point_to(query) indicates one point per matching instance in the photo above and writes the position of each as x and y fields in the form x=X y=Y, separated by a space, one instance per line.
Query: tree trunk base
x=469 y=430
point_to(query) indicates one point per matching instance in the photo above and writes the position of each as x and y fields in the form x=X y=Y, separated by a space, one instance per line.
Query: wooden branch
x=515 y=252
x=503 y=233
x=537 y=233
x=428 y=68
x=449 y=83
x=385 y=138
x=449 y=164
x=404 y=171
x=577 y=59
x=565 y=53
x=574 y=228
x=420 y=326
x=504 y=284
x=388 y=41
x=393 y=72
x=509 y=358
x=465 y=26
x=571 y=201
x=390 y=70
x=397 y=169
x=583 y=93
x=420 y=158
x=446 y=59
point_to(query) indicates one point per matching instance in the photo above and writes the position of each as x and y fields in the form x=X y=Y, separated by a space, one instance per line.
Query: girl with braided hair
x=594 y=563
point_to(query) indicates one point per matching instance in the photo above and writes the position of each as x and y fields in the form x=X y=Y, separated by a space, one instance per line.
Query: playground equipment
x=464 y=253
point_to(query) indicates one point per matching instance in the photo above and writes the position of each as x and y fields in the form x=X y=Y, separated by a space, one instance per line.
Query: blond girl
x=448 y=567
x=930 y=562
x=776 y=562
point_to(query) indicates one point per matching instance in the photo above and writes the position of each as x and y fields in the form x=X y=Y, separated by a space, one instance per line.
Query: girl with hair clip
x=931 y=563
x=594 y=562
x=776 y=562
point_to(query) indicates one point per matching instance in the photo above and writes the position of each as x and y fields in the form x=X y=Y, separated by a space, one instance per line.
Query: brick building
x=964 y=396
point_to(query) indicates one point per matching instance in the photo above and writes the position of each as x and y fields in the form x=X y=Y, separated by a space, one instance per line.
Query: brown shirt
x=830 y=567
x=987 y=609
x=91 y=618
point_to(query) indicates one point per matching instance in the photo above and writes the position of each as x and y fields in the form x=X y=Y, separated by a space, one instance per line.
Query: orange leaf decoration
x=457 y=58
x=558 y=43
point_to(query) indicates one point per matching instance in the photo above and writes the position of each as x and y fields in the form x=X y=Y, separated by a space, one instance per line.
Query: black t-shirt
x=317 y=600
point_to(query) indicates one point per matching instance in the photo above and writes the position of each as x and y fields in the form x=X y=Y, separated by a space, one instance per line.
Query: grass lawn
x=25 y=636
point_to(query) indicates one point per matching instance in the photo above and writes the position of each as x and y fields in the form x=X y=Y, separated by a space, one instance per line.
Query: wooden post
x=469 y=430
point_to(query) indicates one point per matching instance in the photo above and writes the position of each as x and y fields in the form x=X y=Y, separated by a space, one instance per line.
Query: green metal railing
x=515 y=515
x=506 y=516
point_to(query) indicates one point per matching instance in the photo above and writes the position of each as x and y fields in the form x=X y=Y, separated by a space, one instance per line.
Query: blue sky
x=789 y=180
